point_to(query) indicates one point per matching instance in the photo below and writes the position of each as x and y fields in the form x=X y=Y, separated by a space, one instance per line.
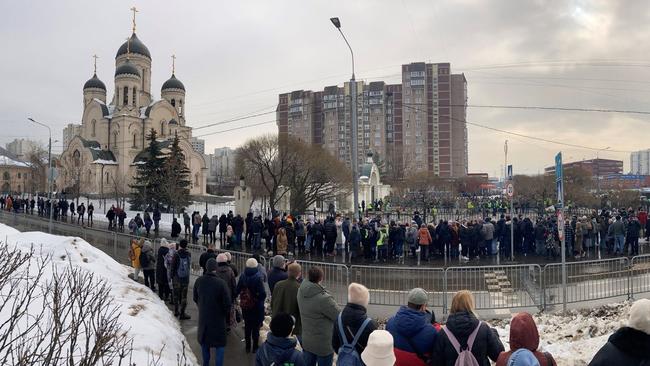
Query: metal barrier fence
x=494 y=287
x=390 y=285
x=587 y=281
x=498 y=287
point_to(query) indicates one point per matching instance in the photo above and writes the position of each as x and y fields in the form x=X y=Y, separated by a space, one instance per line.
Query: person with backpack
x=413 y=330
x=212 y=297
x=465 y=340
x=524 y=335
x=379 y=351
x=318 y=312
x=251 y=293
x=181 y=270
x=148 y=264
x=164 y=290
x=134 y=257
x=353 y=327
x=629 y=345
x=280 y=348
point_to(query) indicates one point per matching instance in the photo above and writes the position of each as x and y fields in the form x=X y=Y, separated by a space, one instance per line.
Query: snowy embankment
x=137 y=314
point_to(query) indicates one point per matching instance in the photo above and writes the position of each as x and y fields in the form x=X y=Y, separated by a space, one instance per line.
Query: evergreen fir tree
x=149 y=177
x=176 y=184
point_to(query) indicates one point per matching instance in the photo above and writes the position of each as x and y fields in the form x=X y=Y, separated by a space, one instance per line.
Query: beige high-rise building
x=418 y=125
x=22 y=148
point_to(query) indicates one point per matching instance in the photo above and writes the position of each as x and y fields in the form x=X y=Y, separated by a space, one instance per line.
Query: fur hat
x=211 y=265
x=222 y=258
x=251 y=263
x=640 y=316
x=163 y=243
x=228 y=256
x=278 y=261
x=358 y=294
x=379 y=351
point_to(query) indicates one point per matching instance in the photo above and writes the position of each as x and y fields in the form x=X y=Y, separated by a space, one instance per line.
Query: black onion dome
x=173 y=83
x=173 y=122
x=127 y=68
x=94 y=82
x=135 y=46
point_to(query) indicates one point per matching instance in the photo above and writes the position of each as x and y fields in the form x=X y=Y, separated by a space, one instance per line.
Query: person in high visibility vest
x=381 y=243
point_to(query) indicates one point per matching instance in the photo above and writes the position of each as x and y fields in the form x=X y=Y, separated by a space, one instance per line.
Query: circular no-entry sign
x=510 y=190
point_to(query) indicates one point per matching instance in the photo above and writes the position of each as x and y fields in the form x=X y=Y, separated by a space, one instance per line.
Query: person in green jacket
x=318 y=312
x=285 y=297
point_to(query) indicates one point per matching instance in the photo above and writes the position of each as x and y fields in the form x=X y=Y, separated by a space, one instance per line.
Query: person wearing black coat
x=213 y=300
x=176 y=228
x=462 y=322
x=329 y=230
x=223 y=228
x=629 y=346
x=205 y=256
x=352 y=317
x=161 y=273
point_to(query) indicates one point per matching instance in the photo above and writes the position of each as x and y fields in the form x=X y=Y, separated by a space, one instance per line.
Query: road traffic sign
x=510 y=190
x=560 y=225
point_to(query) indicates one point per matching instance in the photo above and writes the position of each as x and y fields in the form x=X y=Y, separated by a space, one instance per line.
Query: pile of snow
x=144 y=317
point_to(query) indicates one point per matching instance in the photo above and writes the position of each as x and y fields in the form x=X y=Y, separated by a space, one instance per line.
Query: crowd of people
x=308 y=327
x=60 y=209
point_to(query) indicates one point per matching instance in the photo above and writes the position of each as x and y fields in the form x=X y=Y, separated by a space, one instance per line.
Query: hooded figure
x=524 y=335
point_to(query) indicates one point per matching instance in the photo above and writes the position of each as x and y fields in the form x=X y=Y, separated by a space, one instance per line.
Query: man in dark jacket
x=213 y=300
x=176 y=228
x=181 y=268
x=629 y=346
x=329 y=230
x=413 y=332
x=278 y=272
x=280 y=347
x=156 y=219
x=353 y=316
x=223 y=227
x=205 y=256
x=284 y=297
x=226 y=274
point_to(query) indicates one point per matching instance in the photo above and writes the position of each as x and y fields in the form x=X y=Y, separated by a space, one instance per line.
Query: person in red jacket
x=523 y=334
x=643 y=220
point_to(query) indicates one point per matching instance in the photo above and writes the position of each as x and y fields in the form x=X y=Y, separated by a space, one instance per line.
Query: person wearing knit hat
x=224 y=272
x=251 y=293
x=278 y=272
x=353 y=319
x=212 y=298
x=629 y=345
x=222 y=258
x=379 y=351
x=232 y=266
x=280 y=346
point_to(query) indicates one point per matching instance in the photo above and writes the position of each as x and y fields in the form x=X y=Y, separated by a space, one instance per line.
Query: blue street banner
x=559 y=175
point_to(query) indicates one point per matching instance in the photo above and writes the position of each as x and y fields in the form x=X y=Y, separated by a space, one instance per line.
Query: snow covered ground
x=141 y=313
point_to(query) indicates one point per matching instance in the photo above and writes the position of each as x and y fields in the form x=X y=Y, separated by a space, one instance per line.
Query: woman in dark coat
x=250 y=289
x=461 y=323
x=213 y=300
x=205 y=227
x=161 y=272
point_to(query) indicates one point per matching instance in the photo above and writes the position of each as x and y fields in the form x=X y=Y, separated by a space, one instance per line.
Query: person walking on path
x=181 y=270
x=164 y=290
x=134 y=257
x=318 y=312
x=156 y=219
x=212 y=297
x=148 y=264
x=464 y=331
x=252 y=294
x=524 y=335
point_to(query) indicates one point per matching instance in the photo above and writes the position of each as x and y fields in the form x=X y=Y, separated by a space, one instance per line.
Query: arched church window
x=173 y=103
x=196 y=179
x=6 y=176
x=76 y=158
x=107 y=175
x=115 y=134
x=93 y=126
x=180 y=106
x=135 y=137
x=19 y=175
x=135 y=93
x=162 y=128
x=125 y=96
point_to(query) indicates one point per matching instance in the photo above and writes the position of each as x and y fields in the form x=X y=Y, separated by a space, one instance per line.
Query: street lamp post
x=598 y=167
x=353 y=125
x=49 y=173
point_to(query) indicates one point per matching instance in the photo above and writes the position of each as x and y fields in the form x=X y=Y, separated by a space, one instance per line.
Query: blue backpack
x=348 y=355
x=184 y=267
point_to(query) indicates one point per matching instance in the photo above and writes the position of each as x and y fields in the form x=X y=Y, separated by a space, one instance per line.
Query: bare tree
x=37 y=158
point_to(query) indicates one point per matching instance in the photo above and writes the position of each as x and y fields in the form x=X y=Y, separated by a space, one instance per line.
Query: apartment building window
x=389 y=135
x=407 y=133
x=418 y=100
x=407 y=100
x=377 y=142
x=366 y=134
x=417 y=74
x=417 y=82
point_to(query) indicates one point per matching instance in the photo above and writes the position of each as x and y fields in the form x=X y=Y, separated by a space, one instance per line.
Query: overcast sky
x=234 y=57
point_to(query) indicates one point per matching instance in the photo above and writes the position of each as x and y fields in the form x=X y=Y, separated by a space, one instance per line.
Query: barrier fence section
x=587 y=281
x=640 y=275
x=391 y=285
x=335 y=278
x=498 y=287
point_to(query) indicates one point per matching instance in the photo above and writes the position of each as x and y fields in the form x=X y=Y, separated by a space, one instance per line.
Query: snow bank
x=143 y=315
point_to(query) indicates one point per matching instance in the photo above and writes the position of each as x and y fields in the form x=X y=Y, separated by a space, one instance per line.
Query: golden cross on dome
x=173 y=64
x=134 y=10
x=95 y=62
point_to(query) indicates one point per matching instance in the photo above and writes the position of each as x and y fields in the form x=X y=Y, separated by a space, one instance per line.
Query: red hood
x=523 y=332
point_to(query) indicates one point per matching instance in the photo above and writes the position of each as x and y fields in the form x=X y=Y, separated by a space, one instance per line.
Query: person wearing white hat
x=629 y=346
x=252 y=294
x=379 y=351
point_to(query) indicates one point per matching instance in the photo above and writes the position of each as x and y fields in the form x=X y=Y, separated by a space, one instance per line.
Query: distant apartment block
x=69 y=132
x=418 y=125
x=640 y=162
x=22 y=147
x=198 y=145
x=594 y=167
